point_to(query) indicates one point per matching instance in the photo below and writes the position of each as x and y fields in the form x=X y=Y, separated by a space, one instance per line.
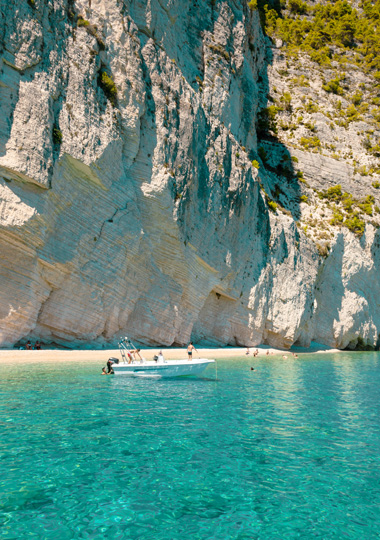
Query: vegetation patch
x=334 y=87
x=57 y=135
x=320 y=29
x=348 y=210
x=92 y=30
x=108 y=86
x=311 y=142
x=272 y=205
x=81 y=22
x=219 y=49
x=355 y=225
x=266 y=121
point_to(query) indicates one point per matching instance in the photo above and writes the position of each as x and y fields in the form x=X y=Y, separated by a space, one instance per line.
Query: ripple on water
x=291 y=450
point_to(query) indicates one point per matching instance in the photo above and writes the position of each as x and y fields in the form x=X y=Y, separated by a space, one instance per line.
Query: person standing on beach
x=190 y=350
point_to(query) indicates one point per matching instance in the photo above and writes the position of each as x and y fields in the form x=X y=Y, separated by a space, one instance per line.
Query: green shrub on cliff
x=92 y=30
x=320 y=28
x=266 y=121
x=366 y=205
x=333 y=193
x=355 y=225
x=297 y=6
x=310 y=142
x=337 y=218
x=333 y=86
x=108 y=86
x=82 y=22
x=57 y=135
x=272 y=205
x=286 y=100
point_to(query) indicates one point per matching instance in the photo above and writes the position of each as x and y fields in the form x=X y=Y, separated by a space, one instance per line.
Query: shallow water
x=291 y=450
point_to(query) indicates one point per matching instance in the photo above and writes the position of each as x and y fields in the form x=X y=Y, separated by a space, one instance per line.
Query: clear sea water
x=289 y=451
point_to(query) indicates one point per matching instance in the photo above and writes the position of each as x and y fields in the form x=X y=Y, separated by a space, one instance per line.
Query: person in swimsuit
x=135 y=353
x=109 y=366
x=190 y=350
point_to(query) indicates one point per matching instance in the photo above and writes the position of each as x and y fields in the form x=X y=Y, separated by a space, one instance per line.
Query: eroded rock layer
x=130 y=198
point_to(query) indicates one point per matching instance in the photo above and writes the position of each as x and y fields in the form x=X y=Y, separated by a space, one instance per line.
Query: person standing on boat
x=135 y=353
x=190 y=350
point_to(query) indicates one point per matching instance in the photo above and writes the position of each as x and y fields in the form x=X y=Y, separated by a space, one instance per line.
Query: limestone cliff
x=139 y=197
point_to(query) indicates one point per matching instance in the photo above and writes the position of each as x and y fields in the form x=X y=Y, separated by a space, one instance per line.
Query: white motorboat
x=157 y=368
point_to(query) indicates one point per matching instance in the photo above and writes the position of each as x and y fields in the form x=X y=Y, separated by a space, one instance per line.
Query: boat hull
x=167 y=369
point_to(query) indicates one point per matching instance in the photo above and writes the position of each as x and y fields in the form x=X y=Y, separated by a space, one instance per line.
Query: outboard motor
x=113 y=360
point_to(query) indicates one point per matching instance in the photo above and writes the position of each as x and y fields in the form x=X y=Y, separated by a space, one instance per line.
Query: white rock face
x=145 y=217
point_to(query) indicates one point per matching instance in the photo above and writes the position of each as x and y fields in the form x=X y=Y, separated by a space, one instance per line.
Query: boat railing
x=125 y=347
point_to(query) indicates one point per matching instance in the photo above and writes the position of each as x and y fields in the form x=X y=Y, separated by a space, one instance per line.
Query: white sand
x=57 y=355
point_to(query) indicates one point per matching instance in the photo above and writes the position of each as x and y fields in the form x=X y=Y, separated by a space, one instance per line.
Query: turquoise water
x=291 y=450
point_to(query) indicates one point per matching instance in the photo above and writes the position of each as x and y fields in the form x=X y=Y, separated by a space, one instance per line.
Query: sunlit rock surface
x=145 y=217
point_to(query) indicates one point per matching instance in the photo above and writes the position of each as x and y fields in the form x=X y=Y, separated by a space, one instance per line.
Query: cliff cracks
x=141 y=195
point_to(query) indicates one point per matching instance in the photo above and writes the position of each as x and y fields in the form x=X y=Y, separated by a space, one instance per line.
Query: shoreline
x=102 y=355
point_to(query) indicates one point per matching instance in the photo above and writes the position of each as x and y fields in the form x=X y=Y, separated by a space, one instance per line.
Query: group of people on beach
x=30 y=347
x=255 y=353
x=268 y=352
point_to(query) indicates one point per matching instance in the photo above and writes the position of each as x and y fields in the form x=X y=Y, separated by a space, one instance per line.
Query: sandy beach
x=102 y=355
